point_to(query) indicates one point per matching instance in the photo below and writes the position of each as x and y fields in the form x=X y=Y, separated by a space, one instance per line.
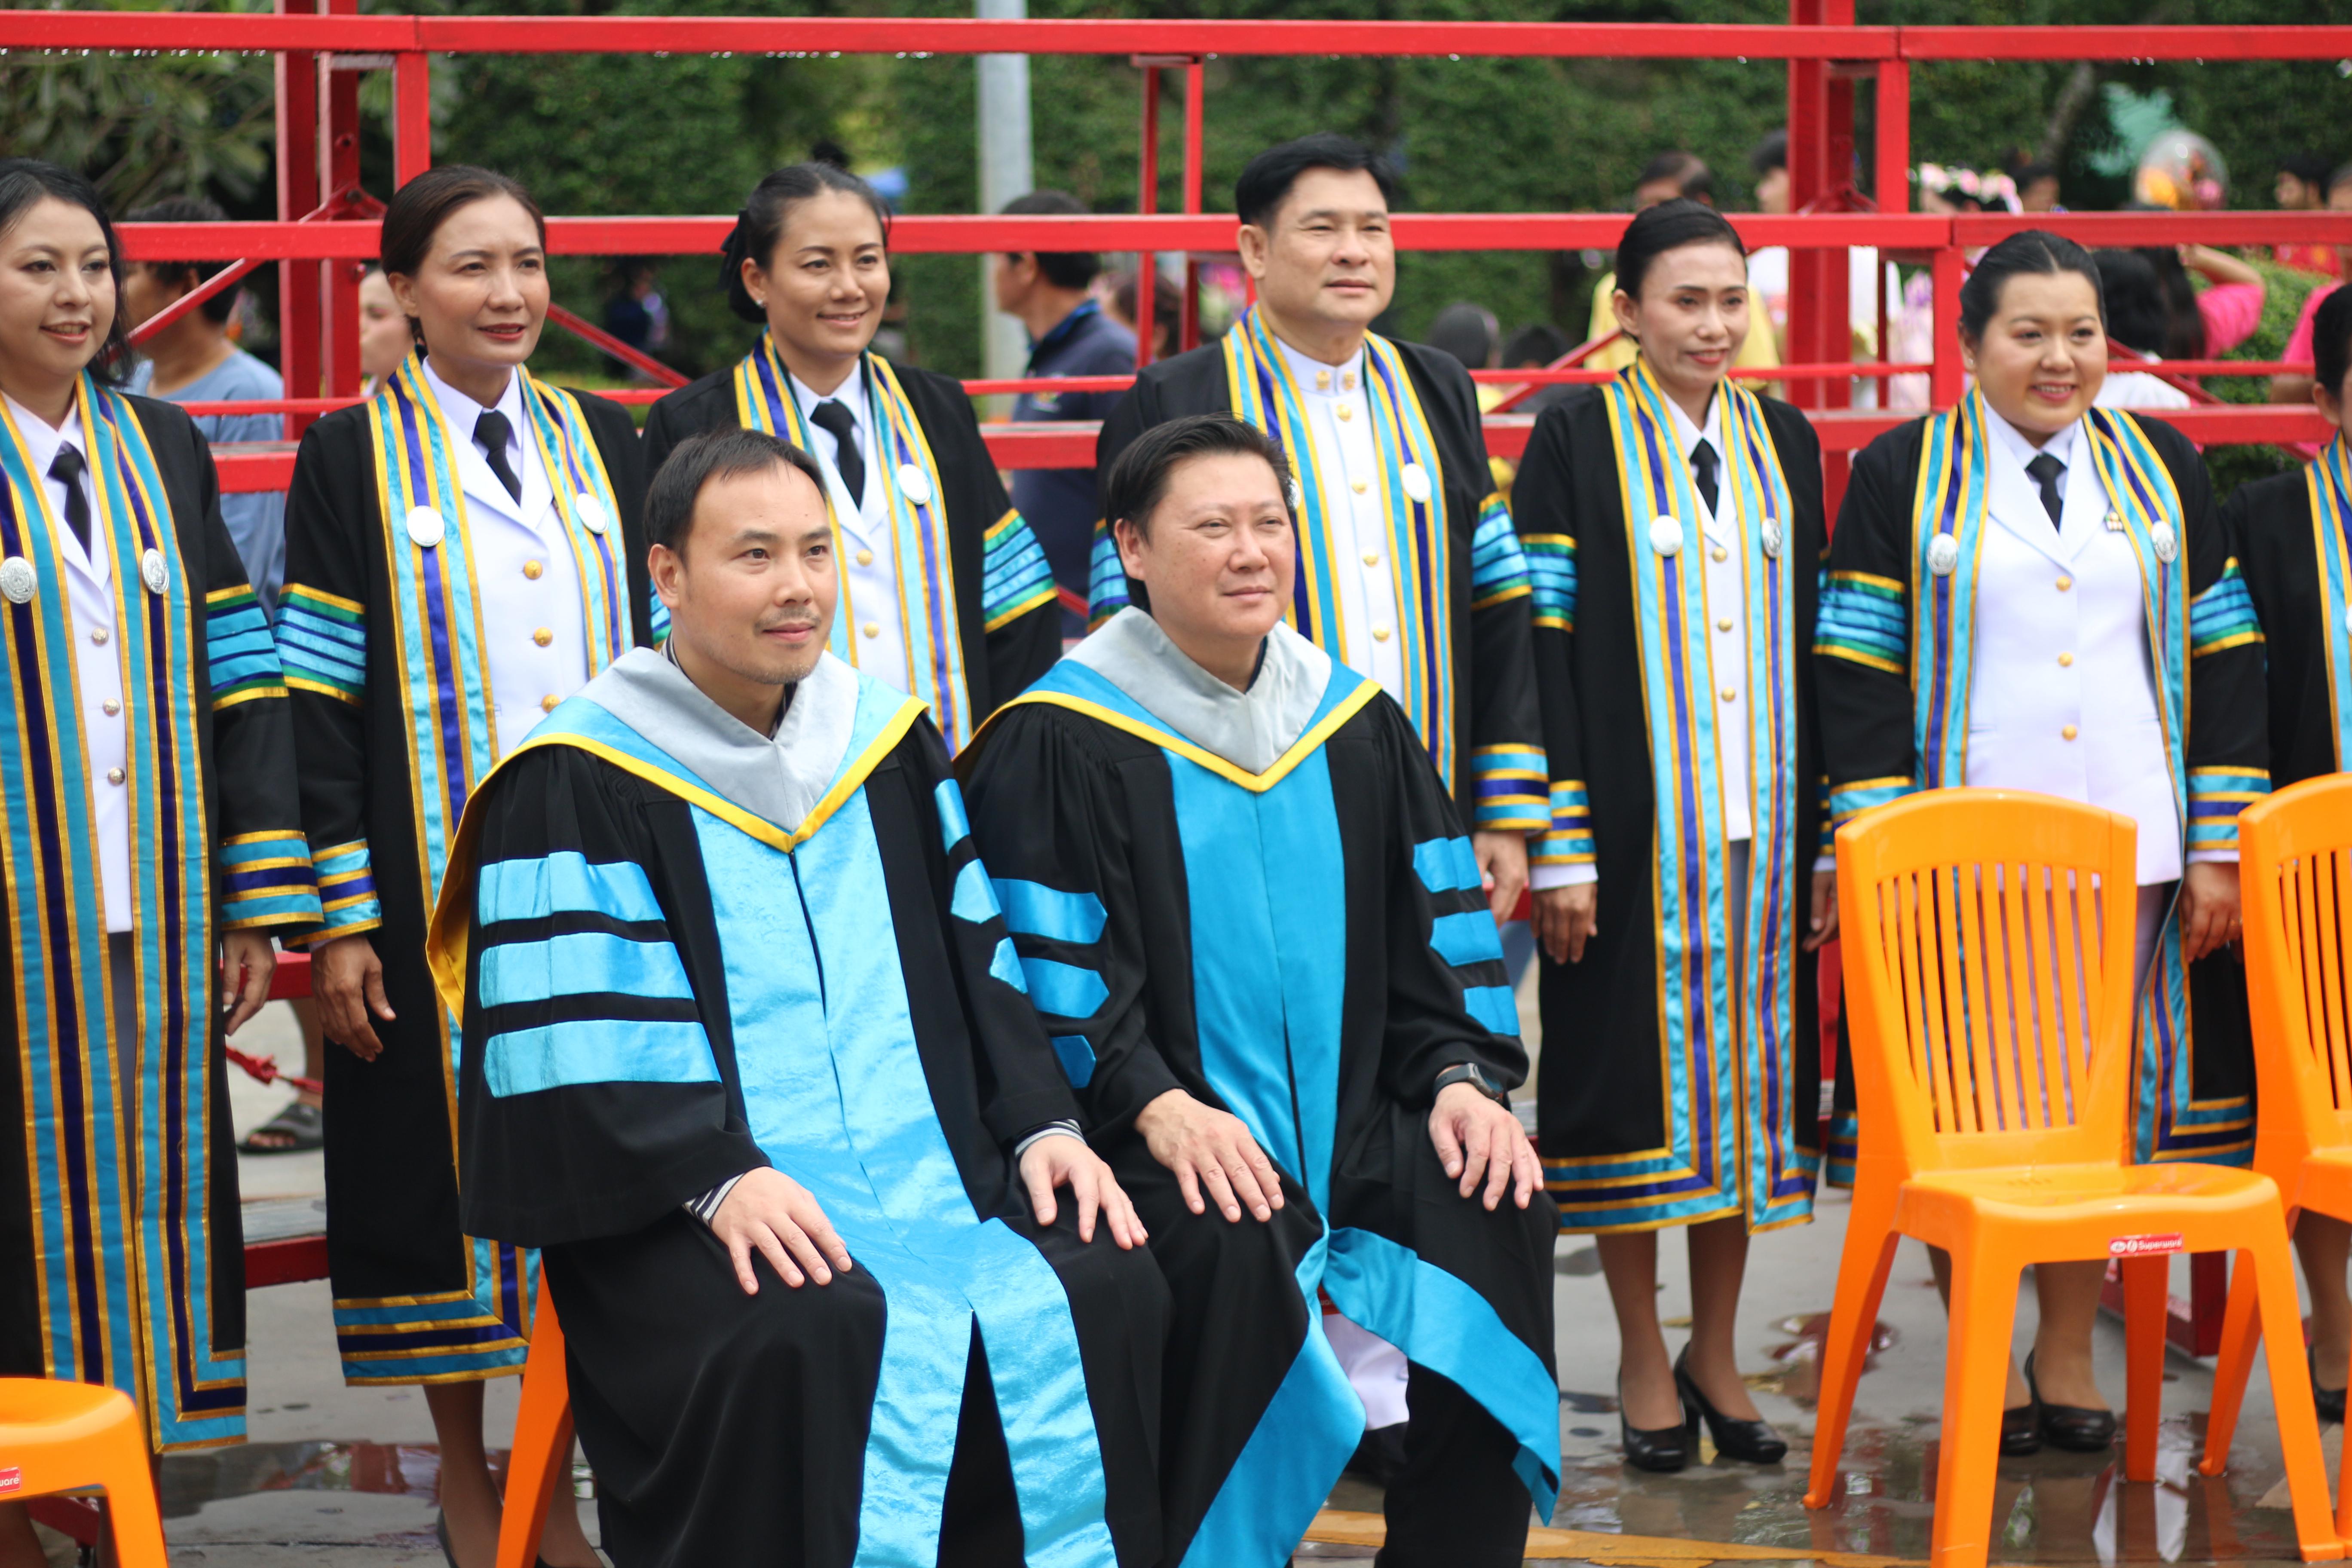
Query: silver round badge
x=592 y=512
x=1773 y=538
x=2347 y=618
x=152 y=573
x=2167 y=543
x=1943 y=555
x=1298 y=500
x=18 y=580
x=1666 y=536
x=1415 y=479
x=424 y=527
x=914 y=485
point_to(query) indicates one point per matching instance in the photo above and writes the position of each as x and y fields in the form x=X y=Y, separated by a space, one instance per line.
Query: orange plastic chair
x=1987 y=939
x=542 y=1455
x=67 y=1436
x=2295 y=871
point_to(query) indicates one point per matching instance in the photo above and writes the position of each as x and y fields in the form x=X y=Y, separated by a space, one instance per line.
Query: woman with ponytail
x=945 y=594
x=462 y=554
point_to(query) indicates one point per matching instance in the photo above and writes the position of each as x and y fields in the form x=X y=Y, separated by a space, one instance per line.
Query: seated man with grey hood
x=747 y=1054
x=1243 y=900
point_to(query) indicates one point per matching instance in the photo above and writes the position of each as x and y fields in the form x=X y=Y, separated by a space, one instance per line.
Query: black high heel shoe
x=2330 y=1401
x=2020 y=1432
x=1660 y=1448
x=2073 y=1427
x=1754 y=1441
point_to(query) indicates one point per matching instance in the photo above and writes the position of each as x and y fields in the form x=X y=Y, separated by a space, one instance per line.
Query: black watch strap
x=1475 y=1077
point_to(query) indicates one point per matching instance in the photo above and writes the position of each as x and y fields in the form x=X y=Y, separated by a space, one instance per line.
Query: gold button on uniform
x=1724 y=624
x=99 y=637
x=1347 y=412
x=872 y=629
x=532 y=569
x=2064 y=584
x=866 y=558
x=542 y=636
x=1720 y=554
x=1371 y=557
x=111 y=707
x=1348 y=382
x=1379 y=633
x=1730 y=695
x=114 y=775
x=1322 y=381
x=2068 y=732
x=547 y=704
x=1360 y=486
x=2066 y=660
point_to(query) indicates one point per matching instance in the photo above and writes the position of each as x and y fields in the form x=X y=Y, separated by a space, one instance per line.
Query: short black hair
x=2331 y=340
x=194 y=271
x=724 y=454
x=1466 y=330
x=1770 y=153
x=2031 y=173
x=1139 y=480
x=2311 y=168
x=1669 y=225
x=1688 y=170
x=1537 y=343
x=2133 y=298
x=24 y=183
x=2034 y=251
x=1063 y=269
x=1259 y=193
x=760 y=224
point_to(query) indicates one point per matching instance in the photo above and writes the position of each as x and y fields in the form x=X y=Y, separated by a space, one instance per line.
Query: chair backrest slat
x=2295 y=876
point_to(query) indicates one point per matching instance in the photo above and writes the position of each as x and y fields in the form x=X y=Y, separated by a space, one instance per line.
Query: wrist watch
x=1475 y=1077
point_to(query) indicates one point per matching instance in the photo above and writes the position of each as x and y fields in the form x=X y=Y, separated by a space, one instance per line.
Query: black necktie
x=66 y=470
x=1703 y=470
x=832 y=417
x=490 y=433
x=2045 y=470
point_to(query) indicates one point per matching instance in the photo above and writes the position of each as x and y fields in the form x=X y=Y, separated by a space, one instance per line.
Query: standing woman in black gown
x=462 y=554
x=946 y=595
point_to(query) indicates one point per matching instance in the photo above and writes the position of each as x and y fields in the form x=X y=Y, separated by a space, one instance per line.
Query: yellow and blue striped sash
x=2330 y=480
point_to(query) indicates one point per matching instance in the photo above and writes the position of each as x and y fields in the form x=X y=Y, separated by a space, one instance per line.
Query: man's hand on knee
x=1060 y=1162
x=1213 y=1148
x=1475 y=1137
x=769 y=1212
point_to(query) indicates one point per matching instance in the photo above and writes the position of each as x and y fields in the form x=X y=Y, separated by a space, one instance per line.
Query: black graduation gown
x=1604 y=1099
x=81 y=1286
x=415 y=1297
x=1497 y=705
x=2269 y=526
x=1868 y=738
x=998 y=665
x=779 y=1429
x=1141 y=893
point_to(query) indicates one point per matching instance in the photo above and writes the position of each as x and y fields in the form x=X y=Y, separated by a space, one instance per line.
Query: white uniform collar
x=850 y=393
x=42 y=440
x=2008 y=438
x=462 y=412
x=1315 y=378
x=1250 y=728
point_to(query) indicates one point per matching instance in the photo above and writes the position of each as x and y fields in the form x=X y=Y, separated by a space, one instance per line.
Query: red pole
x=1893 y=136
x=1147 y=268
x=298 y=193
x=411 y=118
x=1943 y=381
x=1808 y=182
x=1195 y=96
x=340 y=178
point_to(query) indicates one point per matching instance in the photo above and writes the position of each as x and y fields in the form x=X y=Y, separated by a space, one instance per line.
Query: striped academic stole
x=1948 y=519
x=1723 y=1040
x=1412 y=494
x=120 y=1230
x=2329 y=477
x=1014 y=578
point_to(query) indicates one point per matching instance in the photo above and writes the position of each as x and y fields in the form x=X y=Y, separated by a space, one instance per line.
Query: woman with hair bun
x=462 y=554
x=153 y=845
x=945 y=593
x=2030 y=592
x=1672 y=519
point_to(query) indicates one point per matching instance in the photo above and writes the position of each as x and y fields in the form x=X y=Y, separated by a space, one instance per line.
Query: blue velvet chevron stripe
x=1462 y=931
x=1863 y=619
x=1569 y=841
x=1551 y=578
x=266 y=880
x=347 y=890
x=1498 y=569
x=2224 y=615
x=322 y=643
x=580 y=982
x=1060 y=986
x=2216 y=795
x=239 y=653
x=1014 y=576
